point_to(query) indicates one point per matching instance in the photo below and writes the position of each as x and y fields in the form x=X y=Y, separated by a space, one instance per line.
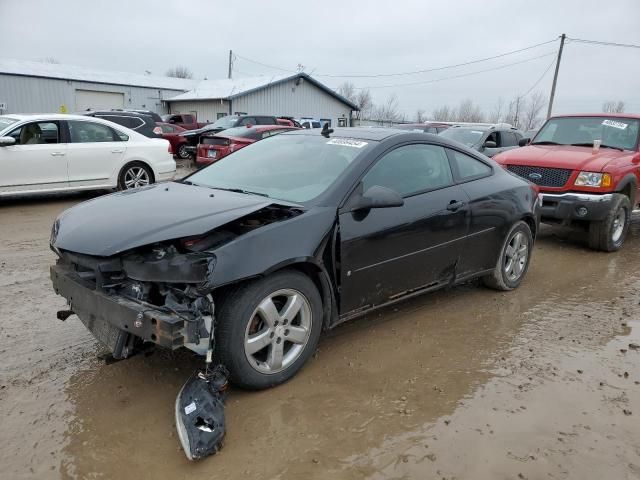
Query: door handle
x=117 y=150
x=454 y=205
x=57 y=154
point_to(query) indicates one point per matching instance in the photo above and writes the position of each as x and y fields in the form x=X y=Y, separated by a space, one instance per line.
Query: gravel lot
x=467 y=383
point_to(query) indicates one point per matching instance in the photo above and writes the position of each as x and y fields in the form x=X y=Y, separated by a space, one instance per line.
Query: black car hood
x=200 y=131
x=121 y=221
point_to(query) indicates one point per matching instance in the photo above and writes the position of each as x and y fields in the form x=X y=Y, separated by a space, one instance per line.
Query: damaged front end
x=159 y=296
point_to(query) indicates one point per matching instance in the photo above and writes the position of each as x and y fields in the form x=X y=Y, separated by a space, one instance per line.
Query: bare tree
x=444 y=114
x=388 y=111
x=514 y=112
x=469 y=112
x=420 y=115
x=348 y=91
x=179 y=71
x=612 y=106
x=531 y=114
x=364 y=102
x=496 y=115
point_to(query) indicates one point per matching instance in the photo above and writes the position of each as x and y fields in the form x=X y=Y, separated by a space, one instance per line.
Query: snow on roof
x=73 y=72
x=229 y=88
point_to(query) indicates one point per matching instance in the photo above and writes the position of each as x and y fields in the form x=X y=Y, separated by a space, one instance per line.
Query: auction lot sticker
x=347 y=142
x=611 y=123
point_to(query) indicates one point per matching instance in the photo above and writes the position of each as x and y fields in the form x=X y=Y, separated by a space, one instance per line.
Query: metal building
x=39 y=87
x=298 y=95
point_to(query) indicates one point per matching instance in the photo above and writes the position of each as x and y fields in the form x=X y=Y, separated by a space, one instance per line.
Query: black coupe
x=260 y=252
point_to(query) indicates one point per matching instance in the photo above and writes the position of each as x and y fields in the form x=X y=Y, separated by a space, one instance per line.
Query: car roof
x=363 y=133
x=602 y=114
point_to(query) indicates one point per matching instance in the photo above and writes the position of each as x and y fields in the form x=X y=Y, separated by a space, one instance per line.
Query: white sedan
x=55 y=153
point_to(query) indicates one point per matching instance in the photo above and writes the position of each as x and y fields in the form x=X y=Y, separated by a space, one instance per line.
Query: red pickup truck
x=588 y=169
x=187 y=121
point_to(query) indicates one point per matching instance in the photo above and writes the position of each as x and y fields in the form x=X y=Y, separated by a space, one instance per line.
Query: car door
x=488 y=209
x=388 y=252
x=94 y=151
x=38 y=159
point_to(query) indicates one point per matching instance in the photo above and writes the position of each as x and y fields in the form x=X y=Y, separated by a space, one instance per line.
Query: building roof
x=228 y=89
x=73 y=72
x=225 y=89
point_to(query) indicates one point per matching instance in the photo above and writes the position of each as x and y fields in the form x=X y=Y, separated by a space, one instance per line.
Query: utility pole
x=555 y=75
x=231 y=64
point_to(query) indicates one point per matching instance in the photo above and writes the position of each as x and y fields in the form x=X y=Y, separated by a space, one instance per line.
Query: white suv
x=52 y=153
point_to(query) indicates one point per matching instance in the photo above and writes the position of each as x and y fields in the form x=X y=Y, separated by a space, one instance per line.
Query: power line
x=458 y=76
x=377 y=75
x=597 y=42
x=540 y=79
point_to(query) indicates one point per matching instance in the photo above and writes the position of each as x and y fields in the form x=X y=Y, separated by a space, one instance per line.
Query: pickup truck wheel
x=268 y=329
x=513 y=260
x=609 y=234
x=183 y=153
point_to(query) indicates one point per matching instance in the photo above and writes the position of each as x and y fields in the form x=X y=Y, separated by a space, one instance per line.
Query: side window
x=89 y=132
x=315 y=124
x=469 y=167
x=36 y=133
x=411 y=169
x=493 y=137
x=508 y=139
x=306 y=125
x=248 y=121
x=187 y=119
x=166 y=128
x=177 y=118
x=325 y=120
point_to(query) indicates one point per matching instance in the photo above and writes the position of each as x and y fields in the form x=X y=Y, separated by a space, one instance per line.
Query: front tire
x=514 y=258
x=268 y=329
x=135 y=175
x=609 y=234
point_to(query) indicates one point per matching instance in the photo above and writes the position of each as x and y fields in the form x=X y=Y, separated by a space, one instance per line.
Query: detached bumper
x=96 y=308
x=575 y=206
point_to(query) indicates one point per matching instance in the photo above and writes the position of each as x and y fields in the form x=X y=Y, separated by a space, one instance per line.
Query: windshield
x=612 y=132
x=225 y=122
x=6 y=121
x=294 y=168
x=468 y=136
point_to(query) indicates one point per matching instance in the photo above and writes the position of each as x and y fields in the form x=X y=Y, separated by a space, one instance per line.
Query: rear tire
x=609 y=234
x=135 y=175
x=513 y=261
x=262 y=346
x=183 y=153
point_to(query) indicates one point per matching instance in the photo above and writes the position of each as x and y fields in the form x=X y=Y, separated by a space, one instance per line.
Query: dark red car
x=214 y=146
x=172 y=133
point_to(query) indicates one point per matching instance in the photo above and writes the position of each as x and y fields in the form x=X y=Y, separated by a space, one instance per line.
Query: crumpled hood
x=562 y=156
x=121 y=221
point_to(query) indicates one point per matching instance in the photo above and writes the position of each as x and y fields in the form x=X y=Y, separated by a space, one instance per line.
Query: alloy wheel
x=278 y=331
x=136 y=177
x=516 y=256
x=182 y=152
x=619 y=222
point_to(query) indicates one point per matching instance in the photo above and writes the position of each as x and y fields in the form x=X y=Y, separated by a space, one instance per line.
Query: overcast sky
x=349 y=37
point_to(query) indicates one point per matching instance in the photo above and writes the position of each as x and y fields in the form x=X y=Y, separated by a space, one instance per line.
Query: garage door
x=92 y=100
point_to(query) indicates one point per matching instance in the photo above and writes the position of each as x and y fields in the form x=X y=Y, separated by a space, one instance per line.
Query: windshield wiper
x=602 y=145
x=240 y=190
x=545 y=142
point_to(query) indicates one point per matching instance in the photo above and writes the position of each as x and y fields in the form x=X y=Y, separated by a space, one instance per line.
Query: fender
x=626 y=180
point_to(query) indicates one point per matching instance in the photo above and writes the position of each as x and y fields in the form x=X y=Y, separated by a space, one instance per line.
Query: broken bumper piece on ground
x=200 y=413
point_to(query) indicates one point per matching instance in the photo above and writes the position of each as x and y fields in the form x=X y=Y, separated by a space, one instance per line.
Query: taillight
x=170 y=149
x=157 y=130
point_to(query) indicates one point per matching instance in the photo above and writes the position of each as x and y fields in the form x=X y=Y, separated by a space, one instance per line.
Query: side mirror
x=6 y=141
x=377 y=197
x=490 y=144
x=523 y=142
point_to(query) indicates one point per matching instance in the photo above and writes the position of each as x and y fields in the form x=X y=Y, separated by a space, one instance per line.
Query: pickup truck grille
x=543 y=176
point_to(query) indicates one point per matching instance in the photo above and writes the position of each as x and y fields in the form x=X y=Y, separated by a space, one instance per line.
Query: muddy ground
x=467 y=383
